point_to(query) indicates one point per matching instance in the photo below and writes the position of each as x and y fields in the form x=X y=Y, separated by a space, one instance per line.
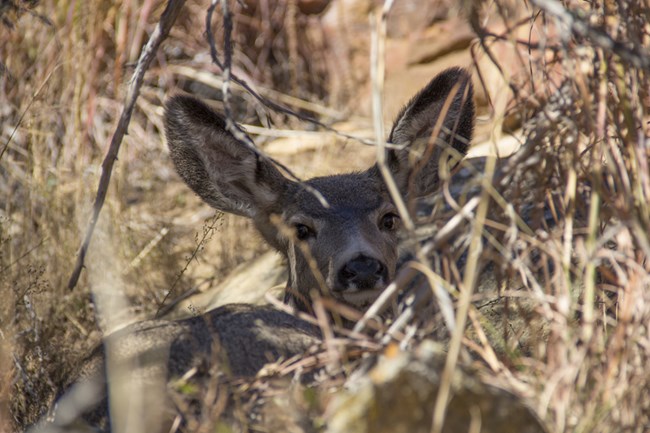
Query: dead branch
x=160 y=33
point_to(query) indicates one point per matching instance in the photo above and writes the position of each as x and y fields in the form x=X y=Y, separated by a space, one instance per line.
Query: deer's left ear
x=444 y=105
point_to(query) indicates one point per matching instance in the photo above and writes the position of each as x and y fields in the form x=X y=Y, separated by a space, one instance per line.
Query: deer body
x=344 y=246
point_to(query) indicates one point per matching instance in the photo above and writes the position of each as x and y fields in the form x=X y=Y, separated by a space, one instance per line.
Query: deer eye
x=304 y=232
x=389 y=222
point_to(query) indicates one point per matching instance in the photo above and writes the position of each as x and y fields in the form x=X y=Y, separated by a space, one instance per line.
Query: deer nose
x=362 y=273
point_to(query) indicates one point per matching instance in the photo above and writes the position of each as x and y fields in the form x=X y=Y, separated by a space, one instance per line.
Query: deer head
x=347 y=246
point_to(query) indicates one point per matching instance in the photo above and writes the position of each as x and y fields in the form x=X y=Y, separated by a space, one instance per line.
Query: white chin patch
x=361 y=298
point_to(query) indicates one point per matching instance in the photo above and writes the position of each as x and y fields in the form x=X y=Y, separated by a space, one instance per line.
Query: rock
x=400 y=85
x=398 y=396
x=440 y=39
x=312 y=7
x=407 y=17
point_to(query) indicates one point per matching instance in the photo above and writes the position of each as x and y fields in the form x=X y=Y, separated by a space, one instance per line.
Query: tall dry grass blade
x=466 y=290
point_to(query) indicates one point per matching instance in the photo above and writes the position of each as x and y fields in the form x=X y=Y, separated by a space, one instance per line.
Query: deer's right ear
x=225 y=173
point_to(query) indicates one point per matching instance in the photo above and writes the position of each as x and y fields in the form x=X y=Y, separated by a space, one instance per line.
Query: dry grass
x=563 y=225
x=573 y=270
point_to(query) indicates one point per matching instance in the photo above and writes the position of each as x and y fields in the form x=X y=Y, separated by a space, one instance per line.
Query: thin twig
x=226 y=67
x=261 y=99
x=211 y=80
x=208 y=230
x=22 y=115
x=25 y=254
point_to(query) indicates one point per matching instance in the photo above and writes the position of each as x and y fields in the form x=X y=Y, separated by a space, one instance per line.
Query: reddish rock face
x=312 y=7
x=307 y=7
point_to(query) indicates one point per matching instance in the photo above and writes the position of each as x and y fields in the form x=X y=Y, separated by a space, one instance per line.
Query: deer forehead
x=348 y=196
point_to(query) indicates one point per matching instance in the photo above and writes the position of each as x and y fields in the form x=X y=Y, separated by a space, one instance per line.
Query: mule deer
x=353 y=239
x=350 y=244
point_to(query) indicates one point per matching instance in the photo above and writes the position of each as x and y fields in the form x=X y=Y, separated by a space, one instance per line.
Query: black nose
x=362 y=273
